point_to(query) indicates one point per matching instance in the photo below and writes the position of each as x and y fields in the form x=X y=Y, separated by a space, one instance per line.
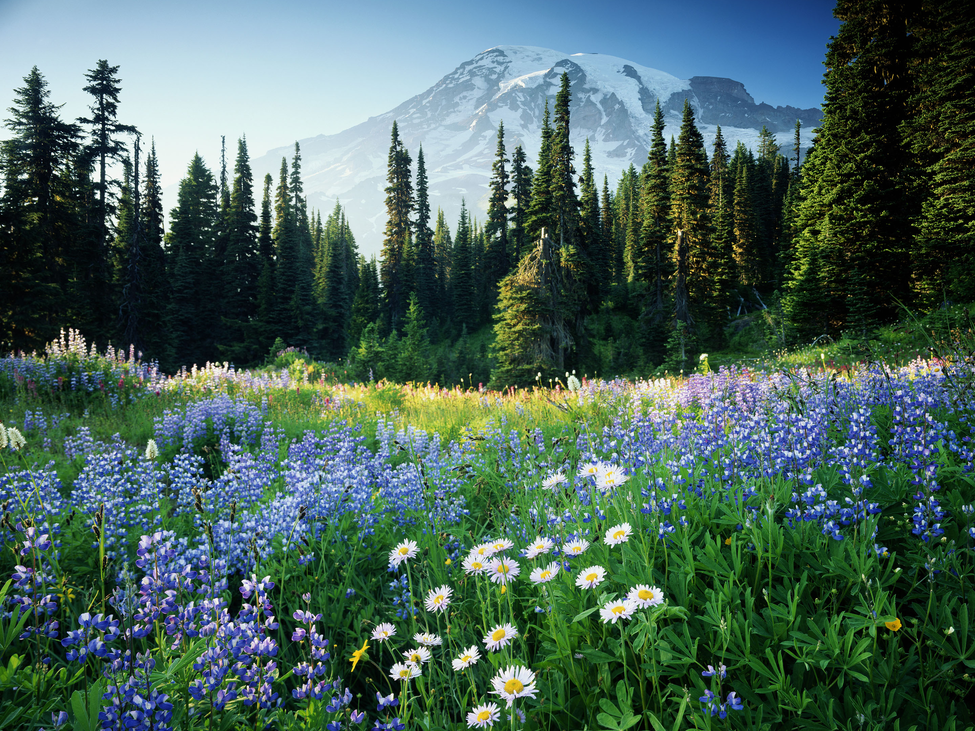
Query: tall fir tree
x=654 y=265
x=425 y=264
x=496 y=229
x=541 y=212
x=462 y=286
x=521 y=192
x=38 y=216
x=155 y=286
x=191 y=243
x=399 y=207
x=859 y=201
x=106 y=146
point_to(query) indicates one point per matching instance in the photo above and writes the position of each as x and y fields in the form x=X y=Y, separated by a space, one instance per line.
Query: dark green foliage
x=399 y=207
x=531 y=333
x=521 y=184
x=334 y=287
x=496 y=259
x=105 y=146
x=38 y=218
x=425 y=260
x=650 y=261
x=365 y=304
x=541 y=211
x=462 y=285
x=414 y=349
x=191 y=243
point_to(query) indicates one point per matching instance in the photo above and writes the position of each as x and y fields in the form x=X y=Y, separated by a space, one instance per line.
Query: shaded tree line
x=564 y=273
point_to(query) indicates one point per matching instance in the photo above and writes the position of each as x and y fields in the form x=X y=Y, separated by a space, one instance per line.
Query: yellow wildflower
x=357 y=654
x=893 y=626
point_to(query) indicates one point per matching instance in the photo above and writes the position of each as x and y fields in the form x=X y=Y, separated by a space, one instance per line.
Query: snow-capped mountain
x=456 y=123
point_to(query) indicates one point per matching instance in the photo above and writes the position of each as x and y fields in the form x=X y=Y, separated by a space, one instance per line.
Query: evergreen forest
x=696 y=251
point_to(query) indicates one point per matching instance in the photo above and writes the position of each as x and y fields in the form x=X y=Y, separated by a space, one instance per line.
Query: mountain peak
x=456 y=122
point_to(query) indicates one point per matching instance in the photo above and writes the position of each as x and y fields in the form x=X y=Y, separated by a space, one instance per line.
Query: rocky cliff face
x=456 y=123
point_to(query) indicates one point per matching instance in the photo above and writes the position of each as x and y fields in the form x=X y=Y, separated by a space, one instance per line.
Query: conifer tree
x=496 y=229
x=155 y=287
x=565 y=204
x=105 y=147
x=654 y=265
x=414 y=349
x=531 y=333
x=334 y=293
x=365 y=304
x=443 y=247
x=302 y=310
x=541 y=212
x=425 y=264
x=689 y=202
x=591 y=235
x=859 y=201
x=286 y=258
x=38 y=217
x=720 y=211
x=243 y=266
x=521 y=191
x=399 y=207
x=462 y=274
x=191 y=243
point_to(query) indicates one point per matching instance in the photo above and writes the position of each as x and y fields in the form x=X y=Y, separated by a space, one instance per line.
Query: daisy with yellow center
x=618 y=534
x=590 y=469
x=646 y=596
x=591 y=577
x=502 y=570
x=439 y=599
x=609 y=478
x=514 y=682
x=500 y=636
x=619 y=609
x=405 y=671
x=418 y=656
x=538 y=547
x=502 y=544
x=553 y=481
x=575 y=548
x=468 y=657
x=484 y=550
x=483 y=716
x=428 y=639
x=403 y=552
x=383 y=631
x=544 y=574
x=474 y=564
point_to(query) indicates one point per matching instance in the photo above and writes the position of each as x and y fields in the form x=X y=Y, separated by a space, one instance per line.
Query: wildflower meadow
x=741 y=548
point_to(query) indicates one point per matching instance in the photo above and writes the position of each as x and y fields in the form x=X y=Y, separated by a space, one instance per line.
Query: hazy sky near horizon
x=192 y=71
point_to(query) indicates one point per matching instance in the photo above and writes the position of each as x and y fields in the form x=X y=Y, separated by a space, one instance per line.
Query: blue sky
x=192 y=71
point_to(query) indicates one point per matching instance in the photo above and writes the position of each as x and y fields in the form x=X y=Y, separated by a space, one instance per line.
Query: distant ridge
x=456 y=123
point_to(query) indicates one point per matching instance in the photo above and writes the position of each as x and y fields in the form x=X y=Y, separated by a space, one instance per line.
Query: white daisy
x=618 y=534
x=646 y=596
x=439 y=599
x=514 y=682
x=544 y=574
x=405 y=671
x=428 y=639
x=554 y=480
x=591 y=577
x=538 y=547
x=467 y=658
x=475 y=564
x=418 y=655
x=403 y=552
x=383 y=631
x=500 y=636
x=502 y=570
x=589 y=469
x=609 y=477
x=484 y=550
x=619 y=609
x=575 y=548
x=483 y=716
x=502 y=544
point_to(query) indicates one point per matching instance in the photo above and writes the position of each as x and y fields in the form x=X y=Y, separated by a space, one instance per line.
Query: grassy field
x=780 y=543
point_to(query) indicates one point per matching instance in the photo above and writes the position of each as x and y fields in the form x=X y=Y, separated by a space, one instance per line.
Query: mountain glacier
x=456 y=122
